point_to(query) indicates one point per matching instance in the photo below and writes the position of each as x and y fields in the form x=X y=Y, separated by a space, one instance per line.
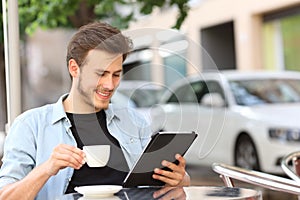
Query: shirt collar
x=59 y=111
x=111 y=113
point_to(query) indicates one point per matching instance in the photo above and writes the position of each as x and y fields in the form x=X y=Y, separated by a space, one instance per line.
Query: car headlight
x=285 y=134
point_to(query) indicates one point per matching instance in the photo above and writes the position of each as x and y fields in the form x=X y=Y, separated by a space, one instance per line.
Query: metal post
x=12 y=59
x=227 y=181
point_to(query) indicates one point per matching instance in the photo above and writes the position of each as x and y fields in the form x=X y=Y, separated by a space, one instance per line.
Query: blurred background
x=172 y=40
x=218 y=34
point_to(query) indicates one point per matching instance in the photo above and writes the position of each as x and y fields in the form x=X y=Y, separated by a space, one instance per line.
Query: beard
x=88 y=97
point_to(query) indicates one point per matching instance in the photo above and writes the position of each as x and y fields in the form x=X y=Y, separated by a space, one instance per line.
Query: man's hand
x=27 y=188
x=64 y=156
x=176 y=177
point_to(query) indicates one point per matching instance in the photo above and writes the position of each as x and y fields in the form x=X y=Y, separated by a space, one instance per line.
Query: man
x=43 y=155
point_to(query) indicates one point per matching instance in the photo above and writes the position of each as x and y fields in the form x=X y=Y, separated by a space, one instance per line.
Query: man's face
x=99 y=77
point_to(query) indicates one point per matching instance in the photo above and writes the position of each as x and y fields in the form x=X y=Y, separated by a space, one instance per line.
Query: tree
x=75 y=13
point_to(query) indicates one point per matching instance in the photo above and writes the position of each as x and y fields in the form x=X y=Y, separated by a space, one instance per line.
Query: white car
x=246 y=119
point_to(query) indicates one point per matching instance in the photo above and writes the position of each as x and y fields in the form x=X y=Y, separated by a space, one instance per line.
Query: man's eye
x=117 y=75
x=100 y=74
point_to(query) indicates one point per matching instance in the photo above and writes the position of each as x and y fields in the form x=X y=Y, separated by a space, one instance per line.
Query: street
x=205 y=176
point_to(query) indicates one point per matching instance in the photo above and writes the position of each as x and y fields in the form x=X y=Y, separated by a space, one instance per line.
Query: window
x=268 y=91
x=195 y=91
x=184 y=94
x=281 y=41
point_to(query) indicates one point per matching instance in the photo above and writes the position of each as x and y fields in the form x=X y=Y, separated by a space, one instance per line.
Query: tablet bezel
x=140 y=176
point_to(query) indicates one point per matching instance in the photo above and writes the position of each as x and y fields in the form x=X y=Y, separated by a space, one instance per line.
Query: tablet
x=163 y=146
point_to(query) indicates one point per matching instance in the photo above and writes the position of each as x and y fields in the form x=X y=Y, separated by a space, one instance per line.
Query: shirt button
x=131 y=140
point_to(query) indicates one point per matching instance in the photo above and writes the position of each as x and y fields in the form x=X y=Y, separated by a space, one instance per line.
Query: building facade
x=230 y=34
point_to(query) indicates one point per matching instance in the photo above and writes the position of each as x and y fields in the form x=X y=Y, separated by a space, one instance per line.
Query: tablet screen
x=163 y=146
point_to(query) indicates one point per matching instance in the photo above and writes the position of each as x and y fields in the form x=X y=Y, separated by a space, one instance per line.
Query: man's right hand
x=64 y=156
x=27 y=188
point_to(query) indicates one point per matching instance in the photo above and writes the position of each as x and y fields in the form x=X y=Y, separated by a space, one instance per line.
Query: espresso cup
x=97 y=155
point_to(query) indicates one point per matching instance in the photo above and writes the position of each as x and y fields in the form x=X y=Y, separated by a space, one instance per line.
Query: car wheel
x=246 y=154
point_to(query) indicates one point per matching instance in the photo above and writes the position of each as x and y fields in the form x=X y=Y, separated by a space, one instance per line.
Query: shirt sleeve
x=19 y=153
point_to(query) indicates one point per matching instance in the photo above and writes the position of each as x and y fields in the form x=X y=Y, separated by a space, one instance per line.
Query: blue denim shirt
x=35 y=133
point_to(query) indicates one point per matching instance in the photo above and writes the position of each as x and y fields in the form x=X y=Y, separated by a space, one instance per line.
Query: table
x=185 y=193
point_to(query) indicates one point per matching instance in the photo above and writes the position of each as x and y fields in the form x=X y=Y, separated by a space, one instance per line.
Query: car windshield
x=265 y=91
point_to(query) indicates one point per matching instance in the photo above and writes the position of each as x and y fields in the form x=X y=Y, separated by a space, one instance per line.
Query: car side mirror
x=212 y=100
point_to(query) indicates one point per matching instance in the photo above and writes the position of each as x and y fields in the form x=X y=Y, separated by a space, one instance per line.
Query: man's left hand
x=177 y=176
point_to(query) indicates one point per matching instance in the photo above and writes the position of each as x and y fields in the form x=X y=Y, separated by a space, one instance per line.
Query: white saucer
x=98 y=191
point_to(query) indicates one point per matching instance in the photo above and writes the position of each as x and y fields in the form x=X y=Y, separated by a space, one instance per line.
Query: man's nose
x=108 y=83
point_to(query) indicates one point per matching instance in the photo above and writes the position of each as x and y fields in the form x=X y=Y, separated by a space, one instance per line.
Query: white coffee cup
x=97 y=155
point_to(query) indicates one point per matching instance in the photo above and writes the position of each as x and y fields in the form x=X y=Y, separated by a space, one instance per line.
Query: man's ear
x=73 y=68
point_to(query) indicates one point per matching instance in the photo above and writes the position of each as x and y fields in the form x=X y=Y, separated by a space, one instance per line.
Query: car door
x=181 y=108
x=212 y=107
x=185 y=111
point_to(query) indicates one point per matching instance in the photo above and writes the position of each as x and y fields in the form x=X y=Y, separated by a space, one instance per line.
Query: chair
x=293 y=171
x=228 y=172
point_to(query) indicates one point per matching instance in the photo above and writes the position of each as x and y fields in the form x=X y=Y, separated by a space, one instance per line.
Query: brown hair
x=97 y=35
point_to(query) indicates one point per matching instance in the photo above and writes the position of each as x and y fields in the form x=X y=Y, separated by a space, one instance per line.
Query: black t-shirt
x=91 y=129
